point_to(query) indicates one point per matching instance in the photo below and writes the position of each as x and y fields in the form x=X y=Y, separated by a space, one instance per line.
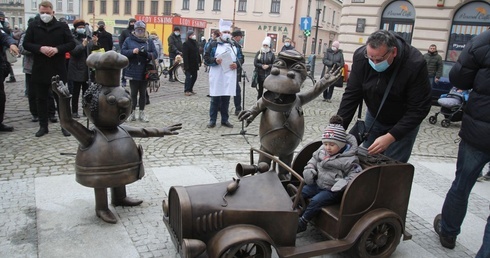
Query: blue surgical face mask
x=379 y=67
x=81 y=31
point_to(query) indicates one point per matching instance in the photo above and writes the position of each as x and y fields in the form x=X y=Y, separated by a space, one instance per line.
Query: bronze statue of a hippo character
x=282 y=123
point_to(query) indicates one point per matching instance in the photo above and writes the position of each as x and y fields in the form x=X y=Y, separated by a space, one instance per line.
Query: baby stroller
x=452 y=106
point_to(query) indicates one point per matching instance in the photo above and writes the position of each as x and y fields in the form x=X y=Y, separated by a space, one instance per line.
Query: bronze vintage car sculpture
x=246 y=216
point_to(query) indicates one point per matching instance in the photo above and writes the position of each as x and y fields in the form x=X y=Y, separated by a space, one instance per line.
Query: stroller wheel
x=432 y=119
x=445 y=123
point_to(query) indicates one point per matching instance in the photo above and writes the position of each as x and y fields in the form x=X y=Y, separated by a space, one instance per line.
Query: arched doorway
x=470 y=20
x=399 y=17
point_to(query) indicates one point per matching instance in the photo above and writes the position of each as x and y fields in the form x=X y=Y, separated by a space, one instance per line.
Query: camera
x=142 y=49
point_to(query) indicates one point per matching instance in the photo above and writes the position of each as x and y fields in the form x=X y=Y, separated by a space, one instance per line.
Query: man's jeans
x=319 y=198
x=219 y=103
x=399 y=150
x=470 y=163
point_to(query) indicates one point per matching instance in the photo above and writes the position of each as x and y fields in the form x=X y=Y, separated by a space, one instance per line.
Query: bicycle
x=178 y=68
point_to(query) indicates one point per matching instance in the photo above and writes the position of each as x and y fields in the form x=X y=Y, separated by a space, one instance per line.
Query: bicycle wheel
x=160 y=69
x=179 y=73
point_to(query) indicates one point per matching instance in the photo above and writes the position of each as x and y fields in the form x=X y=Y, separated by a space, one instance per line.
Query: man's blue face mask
x=379 y=67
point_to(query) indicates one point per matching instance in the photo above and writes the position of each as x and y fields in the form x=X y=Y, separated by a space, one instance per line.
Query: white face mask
x=225 y=37
x=193 y=37
x=81 y=31
x=177 y=33
x=46 y=17
x=334 y=48
x=266 y=49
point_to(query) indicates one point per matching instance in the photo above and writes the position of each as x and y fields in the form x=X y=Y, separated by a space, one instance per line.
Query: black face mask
x=101 y=28
x=131 y=27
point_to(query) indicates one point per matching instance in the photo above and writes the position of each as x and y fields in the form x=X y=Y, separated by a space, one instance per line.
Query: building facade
x=14 y=12
x=256 y=18
x=449 y=24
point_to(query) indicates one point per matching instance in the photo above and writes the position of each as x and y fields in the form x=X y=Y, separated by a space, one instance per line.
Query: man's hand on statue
x=60 y=88
x=381 y=144
x=333 y=74
x=172 y=130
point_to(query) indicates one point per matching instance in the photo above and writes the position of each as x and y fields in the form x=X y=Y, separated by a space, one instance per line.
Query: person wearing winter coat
x=140 y=51
x=77 y=67
x=158 y=46
x=122 y=37
x=263 y=61
x=329 y=170
x=434 y=64
x=333 y=57
x=407 y=104
x=104 y=37
x=192 y=62
x=471 y=71
x=174 y=48
x=48 y=40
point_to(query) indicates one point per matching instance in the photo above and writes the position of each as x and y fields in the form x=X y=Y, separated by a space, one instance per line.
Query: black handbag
x=151 y=73
x=359 y=128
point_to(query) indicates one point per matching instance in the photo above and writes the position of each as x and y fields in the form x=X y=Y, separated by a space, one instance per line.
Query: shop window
x=470 y=20
x=399 y=17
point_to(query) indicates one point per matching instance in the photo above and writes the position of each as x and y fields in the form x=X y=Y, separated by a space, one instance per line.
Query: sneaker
x=143 y=117
x=131 y=117
x=211 y=125
x=302 y=225
x=446 y=241
x=188 y=94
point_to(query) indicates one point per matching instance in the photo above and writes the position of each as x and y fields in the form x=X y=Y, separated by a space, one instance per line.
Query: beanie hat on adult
x=189 y=33
x=139 y=24
x=336 y=44
x=101 y=23
x=335 y=132
x=267 y=41
x=131 y=20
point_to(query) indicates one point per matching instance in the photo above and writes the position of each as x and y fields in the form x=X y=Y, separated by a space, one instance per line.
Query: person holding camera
x=140 y=51
x=77 y=67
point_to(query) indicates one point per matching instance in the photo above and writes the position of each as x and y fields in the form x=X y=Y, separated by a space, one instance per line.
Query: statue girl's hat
x=107 y=67
x=224 y=25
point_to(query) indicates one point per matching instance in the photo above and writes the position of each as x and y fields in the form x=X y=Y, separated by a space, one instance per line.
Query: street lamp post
x=319 y=5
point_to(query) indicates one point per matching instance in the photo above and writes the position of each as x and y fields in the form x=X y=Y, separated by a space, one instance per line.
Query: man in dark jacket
x=7 y=42
x=434 y=64
x=407 y=103
x=237 y=37
x=48 y=40
x=471 y=71
x=104 y=37
x=122 y=37
x=192 y=62
x=174 y=49
x=4 y=27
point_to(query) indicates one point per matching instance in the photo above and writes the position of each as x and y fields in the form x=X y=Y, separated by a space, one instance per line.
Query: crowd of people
x=389 y=75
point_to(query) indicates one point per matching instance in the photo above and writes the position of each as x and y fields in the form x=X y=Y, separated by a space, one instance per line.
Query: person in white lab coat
x=222 y=56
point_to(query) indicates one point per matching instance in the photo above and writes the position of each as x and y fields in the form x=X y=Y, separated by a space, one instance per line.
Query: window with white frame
x=185 y=5
x=141 y=7
x=103 y=7
x=90 y=6
x=154 y=8
x=59 y=5
x=242 y=5
x=115 y=7
x=70 y=6
x=127 y=7
x=217 y=5
x=167 y=8
x=200 y=5
x=276 y=6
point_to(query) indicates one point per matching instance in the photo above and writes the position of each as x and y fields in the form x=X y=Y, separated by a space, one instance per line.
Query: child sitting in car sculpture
x=282 y=123
x=107 y=155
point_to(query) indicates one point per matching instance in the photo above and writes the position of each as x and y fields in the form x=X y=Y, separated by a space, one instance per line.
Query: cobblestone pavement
x=25 y=158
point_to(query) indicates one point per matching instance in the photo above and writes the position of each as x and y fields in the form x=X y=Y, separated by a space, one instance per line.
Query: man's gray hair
x=380 y=38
